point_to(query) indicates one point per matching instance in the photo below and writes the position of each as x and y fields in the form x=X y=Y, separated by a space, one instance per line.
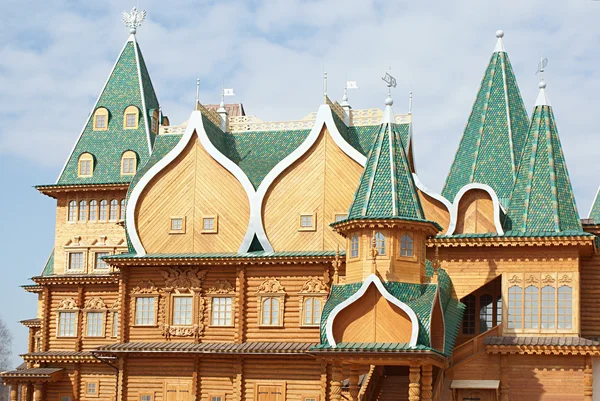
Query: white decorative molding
x=495 y=201
x=372 y=279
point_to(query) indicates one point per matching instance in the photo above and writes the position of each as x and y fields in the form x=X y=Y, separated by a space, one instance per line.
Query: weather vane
x=391 y=83
x=133 y=19
x=542 y=64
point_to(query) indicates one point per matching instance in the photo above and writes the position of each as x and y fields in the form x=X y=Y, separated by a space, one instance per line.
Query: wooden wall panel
x=193 y=185
x=144 y=377
x=105 y=378
x=434 y=210
x=65 y=386
x=323 y=181
x=475 y=213
x=216 y=377
x=590 y=296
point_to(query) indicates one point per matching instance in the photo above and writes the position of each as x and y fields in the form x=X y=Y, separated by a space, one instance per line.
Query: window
x=565 y=307
x=486 y=313
x=93 y=210
x=221 y=311
x=72 y=215
x=122 y=215
x=380 y=243
x=128 y=163
x=306 y=222
x=85 y=165
x=130 y=118
x=406 y=245
x=65 y=398
x=114 y=209
x=144 y=311
x=531 y=307
x=515 y=307
x=182 y=311
x=115 y=327
x=100 y=264
x=354 y=246
x=270 y=311
x=103 y=207
x=66 y=324
x=312 y=311
x=94 y=324
x=469 y=316
x=82 y=210
x=91 y=388
x=339 y=217
x=548 y=307
x=154 y=123
x=145 y=397
x=100 y=122
x=499 y=310
x=177 y=225
x=76 y=261
x=209 y=224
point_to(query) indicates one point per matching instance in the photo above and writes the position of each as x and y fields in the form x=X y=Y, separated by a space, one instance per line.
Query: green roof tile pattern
x=523 y=234
x=49 y=267
x=542 y=198
x=373 y=347
x=595 y=210
x=122 y=90
x=228 y=255
x=490 y=149
x=386 y=186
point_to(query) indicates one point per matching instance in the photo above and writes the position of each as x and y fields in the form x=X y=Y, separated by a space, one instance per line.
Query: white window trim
x=215 y=228
x=312 y=227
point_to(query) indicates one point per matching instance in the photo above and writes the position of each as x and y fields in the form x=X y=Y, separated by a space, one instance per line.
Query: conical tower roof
x=128 y=84
x=386 y=188
x=491 y=145
x=595 y=209
x=542 y=199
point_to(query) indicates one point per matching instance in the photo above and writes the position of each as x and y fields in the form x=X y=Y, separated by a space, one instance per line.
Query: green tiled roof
x=228 y=255
x=372 y=347
x=516 y=233
x=419 y=297
x=542 y=199
x=595 y=210
x=122 y=90
x=492 y=142
x=49 y=267
x=386 y=186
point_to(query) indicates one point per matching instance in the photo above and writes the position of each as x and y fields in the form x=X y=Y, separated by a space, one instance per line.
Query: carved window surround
x=314 y=287
x=221 y=289
x=115 y=310
x=67 y=305
x=271 y=288
x=144 y=289
x=94 y=305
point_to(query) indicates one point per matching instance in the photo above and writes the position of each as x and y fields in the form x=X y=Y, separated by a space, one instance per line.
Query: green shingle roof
x=595 y=210
x=122 y=90
x=542 y=199
x=49 y=267
x=228 y=255
x=386 y=186
x=490 y=149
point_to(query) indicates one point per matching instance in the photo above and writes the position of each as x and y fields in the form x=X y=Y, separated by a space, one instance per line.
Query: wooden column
x=427 y=382
x=124 y=307
x=14 y=392
x=354 y=388
x=240 y=313
x=324 y=380
x=77 y=382
x=504 y=387
x=37 y=392
x=414 y=377
x=238 y=379
x=588 y=379
x=196 y=379
x=28 y=392
x=45 y=319
x=121 y=393
x=335 y=393
x=81 y=317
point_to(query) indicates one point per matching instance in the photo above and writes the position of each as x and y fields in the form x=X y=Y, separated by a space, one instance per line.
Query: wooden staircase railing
x=370 y=384
x=474 y=346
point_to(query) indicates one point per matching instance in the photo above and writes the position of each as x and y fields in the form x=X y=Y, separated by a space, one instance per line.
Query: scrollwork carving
x=548 y=280
x=179 y=331
x=314 y=285
x=145 y=287
x=68 y=303
x=221 y=287
x=531 y=279
x=565 y=279
x=95 y=303
x=184 y=279
x=514 y=279
x=270 y=286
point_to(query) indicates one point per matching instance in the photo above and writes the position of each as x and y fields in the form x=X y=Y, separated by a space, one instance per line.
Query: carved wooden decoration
x=184 y=279
x=565 y=279
x=221 y=287
x=314 y=285
x=68 y=303
x=145 y=287
x=515 y=279
x=270 y=286
x=548 y=280
x=532 y=280
x=95 y=303
x=116 y=306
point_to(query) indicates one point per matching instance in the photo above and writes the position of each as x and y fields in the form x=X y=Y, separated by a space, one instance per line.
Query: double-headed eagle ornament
x=133 y=19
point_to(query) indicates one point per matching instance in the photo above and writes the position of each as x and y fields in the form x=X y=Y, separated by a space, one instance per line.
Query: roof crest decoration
x=133 y=19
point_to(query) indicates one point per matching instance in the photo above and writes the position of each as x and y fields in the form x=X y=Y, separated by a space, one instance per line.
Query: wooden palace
x=230 y=259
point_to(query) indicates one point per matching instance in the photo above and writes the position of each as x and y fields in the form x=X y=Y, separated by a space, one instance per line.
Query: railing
x=370 y=384
x=474 y=346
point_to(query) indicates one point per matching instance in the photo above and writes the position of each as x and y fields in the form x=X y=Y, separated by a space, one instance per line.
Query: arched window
x=128 y=163
x=131 y=117
x=469 y=317
x=406 y=245
x=486 y=312
x=548 y=307
x=93 y=210
x=312 y=311
x=85 y=167
x=100 y=120
x=270 y=311
x=103 y=212
x=154 y=122
x=82 y=210
x=532 y=307
x=72 y=214
x=354 y=246
x=122 y=216
x=515 y=307
x=565 y=307
x=380 y=243
x=114 y=210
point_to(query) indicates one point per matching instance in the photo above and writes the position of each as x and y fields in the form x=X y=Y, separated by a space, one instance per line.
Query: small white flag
x=351 y=85
x=228 y=92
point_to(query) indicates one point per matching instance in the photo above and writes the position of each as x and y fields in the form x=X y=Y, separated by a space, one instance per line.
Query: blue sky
x=56 y=55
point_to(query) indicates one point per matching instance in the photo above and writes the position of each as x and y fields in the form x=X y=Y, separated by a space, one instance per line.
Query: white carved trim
x=324 y=117
x=144 y=111
x=593 y=201
x=372 y=279
x=460 y=194
x=432 y=194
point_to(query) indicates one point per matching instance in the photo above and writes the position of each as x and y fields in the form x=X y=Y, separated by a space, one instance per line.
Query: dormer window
x=85 y=165
x=131 y=117
x=154 y=122
x=100 y=119
x=407 y=246
x=380 y=243
x=128 y=163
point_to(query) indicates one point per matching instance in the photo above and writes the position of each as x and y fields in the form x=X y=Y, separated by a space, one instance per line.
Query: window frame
x=103 y=202
x=72 y=211
x=113 y=206
x=102 y=314
x=413 y=250
x=337 y=217
x=175 y=231
x=93 y=207
x=377 y=242
x=82 y=206
x=129 y=155
x=83 y=261
x=312 y=297
x=192 y=311
x=280 y=309
x=211 y=311
x=75 y=313
x=96 y=383
x=100 y=111
x=313 y=221
x=114 y=330
x=63 y=395
x=141 y=394
x=122 y=209
x=215 y=228
x=216 y=395
x=154 y=310
x=131 y=110
x=96 y=260
x=351 y=246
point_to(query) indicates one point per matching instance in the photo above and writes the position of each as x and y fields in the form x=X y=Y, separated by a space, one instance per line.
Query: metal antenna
x=410 y=102
x=197 y=89
x=325 y=84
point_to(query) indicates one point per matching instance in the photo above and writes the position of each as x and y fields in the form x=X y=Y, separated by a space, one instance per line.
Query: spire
x=386 y=188
x=223 y=112
x=128 y=87
x=542 y=199
x=594 y=213
x=490 y=149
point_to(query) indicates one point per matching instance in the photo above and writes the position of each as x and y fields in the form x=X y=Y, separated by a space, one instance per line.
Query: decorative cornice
x=52 y=190
x=60 y=356
x=427 y=227
x=218 y=261
x=77 y=279
x=500 y=241
x=543 y=350
x=33 y=288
